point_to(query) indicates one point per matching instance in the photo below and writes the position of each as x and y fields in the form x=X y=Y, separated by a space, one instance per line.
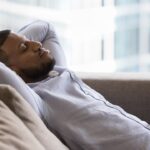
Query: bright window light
x=96 y=35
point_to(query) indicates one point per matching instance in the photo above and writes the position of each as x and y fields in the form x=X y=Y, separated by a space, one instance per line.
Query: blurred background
x=96 y=35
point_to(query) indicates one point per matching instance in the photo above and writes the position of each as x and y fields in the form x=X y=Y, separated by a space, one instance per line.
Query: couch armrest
x=131 y=91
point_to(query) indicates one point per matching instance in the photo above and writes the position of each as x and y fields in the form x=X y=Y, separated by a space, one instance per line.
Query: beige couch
x=131 y=91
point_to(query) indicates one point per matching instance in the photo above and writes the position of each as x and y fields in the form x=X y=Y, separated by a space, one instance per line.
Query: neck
x=32 y=80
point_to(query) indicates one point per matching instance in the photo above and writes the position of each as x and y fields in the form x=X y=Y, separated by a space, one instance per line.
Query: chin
x=39 y=72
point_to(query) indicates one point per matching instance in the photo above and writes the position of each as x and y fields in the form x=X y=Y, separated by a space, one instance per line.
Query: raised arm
x=44 y=32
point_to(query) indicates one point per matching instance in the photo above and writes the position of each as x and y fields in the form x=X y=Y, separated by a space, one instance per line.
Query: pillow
x=14 y=135
x=9 y=77
x=24 y=111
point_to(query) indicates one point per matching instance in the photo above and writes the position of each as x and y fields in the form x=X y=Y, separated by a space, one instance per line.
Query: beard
x=39 y=72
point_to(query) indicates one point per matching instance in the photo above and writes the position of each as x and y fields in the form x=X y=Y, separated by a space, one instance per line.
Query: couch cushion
x=128 y=90
x=9 y=77
x=24 y=111
x=14 y=135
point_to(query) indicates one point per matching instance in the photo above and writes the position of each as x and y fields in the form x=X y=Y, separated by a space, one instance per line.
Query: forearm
x=51 y=42
x=35 y=31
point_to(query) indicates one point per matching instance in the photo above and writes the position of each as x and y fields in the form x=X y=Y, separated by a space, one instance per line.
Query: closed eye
x=23 y=46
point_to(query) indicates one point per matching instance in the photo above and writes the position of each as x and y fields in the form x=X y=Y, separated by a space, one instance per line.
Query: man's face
x=28 y=57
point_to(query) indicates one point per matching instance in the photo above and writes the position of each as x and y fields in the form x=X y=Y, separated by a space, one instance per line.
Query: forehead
x=12 y=41
x=13 y=37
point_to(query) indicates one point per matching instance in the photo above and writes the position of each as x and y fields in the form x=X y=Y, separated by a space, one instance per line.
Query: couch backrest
x=130 y=91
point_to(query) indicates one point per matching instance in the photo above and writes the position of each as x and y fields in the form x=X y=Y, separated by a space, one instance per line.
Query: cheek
x=27 y=62
x=32 y=61
x=28 y=58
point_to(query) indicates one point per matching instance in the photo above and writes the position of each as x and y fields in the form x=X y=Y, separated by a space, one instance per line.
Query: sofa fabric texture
x=20 y=126
x=131 y=91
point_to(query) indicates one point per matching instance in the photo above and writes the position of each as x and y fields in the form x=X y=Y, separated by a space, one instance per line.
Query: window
x=127 y=45
x=105 y=36
x=126 y=2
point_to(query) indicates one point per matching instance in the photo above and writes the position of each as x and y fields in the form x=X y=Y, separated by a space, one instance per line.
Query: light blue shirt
x=83 y=119
x=77 y=114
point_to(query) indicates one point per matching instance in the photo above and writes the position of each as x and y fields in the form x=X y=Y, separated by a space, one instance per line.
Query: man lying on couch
x=78 y=115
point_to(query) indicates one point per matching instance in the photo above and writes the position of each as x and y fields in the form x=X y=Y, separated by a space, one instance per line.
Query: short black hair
x=3 y=36
x=3 y=56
